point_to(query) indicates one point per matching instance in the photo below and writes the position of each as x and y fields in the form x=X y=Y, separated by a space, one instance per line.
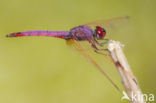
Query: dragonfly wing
x=76 y=45
x=110 y=24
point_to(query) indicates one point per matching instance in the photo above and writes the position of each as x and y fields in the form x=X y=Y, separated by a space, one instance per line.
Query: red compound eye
x=100 y=32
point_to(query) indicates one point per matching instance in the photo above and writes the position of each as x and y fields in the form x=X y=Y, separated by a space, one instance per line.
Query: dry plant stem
x=129 y=80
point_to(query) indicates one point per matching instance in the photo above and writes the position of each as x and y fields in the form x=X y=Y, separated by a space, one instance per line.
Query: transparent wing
x=82 y=50
x=110 y=24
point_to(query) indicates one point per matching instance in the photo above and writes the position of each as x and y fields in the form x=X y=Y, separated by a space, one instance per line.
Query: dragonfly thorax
x=81 y=32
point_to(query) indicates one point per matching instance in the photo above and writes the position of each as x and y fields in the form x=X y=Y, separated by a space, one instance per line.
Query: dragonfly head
x=99 y=33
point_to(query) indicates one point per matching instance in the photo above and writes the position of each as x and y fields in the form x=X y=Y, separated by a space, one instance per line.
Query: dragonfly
x=91 y=33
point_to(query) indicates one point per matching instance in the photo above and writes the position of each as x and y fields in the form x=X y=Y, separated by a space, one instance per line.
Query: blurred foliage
x=45 y=70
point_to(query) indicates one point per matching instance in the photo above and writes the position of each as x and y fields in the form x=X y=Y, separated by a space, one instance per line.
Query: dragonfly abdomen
x=58 y=34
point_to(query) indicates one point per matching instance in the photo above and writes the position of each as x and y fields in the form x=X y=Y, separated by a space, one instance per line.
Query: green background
x=45 y=70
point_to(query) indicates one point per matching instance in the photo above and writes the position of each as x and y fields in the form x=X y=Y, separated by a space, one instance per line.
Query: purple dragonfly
x=91 y=32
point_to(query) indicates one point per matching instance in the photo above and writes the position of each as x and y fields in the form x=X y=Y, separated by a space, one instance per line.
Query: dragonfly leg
x=98 y=50
x=101 y=53
x=103 y=43
x=106 y=39
x=98 y=42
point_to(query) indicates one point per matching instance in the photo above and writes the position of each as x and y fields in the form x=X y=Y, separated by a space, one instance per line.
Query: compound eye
x=100 y=32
